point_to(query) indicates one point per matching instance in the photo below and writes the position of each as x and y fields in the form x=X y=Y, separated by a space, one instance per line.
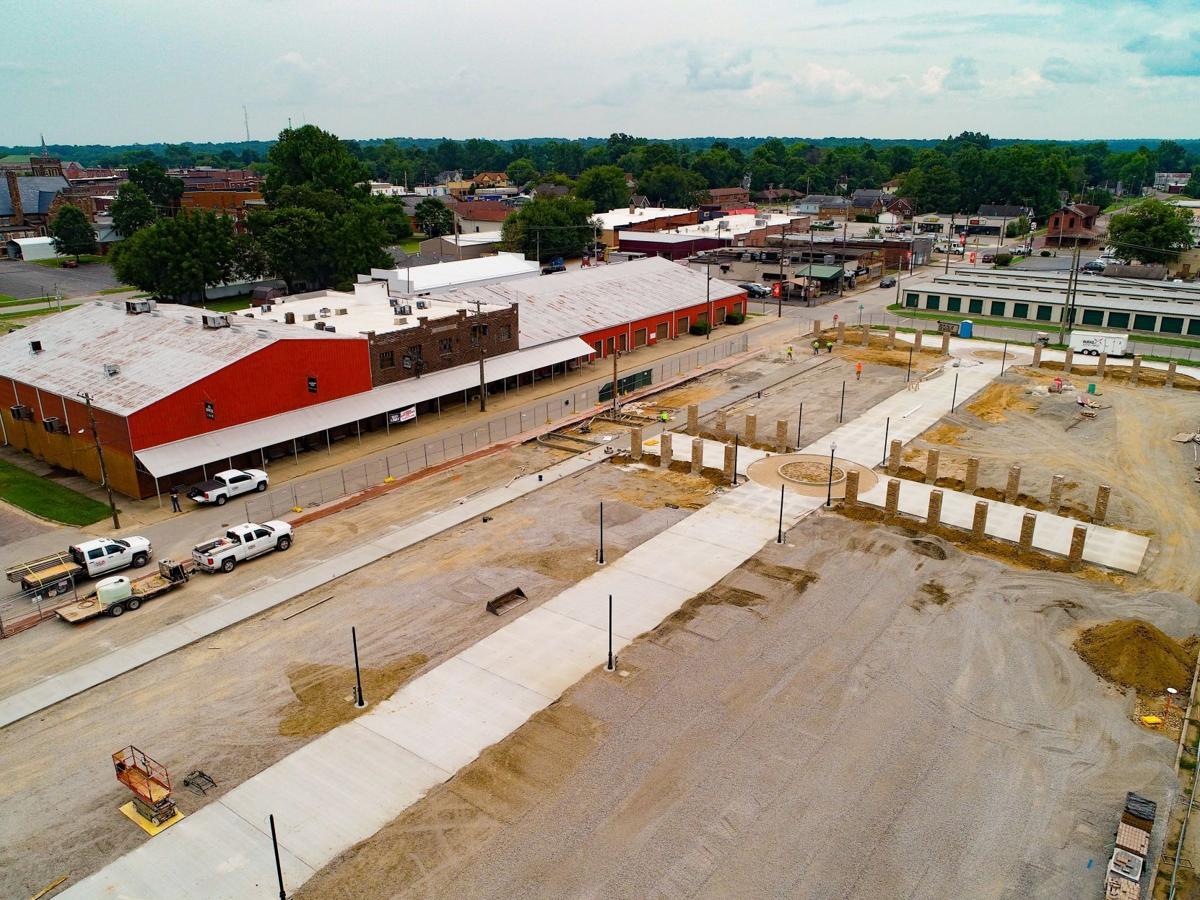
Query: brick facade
x=440 y=344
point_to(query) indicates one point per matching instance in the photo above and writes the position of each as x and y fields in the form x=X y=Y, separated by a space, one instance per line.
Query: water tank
x=966 y=328
x=112 y=590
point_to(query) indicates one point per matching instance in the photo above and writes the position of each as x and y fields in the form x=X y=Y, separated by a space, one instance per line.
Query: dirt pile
x=324 y=693
x=994 y=402
x=1133 y=653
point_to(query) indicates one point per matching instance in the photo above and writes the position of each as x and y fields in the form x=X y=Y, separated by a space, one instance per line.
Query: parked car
x=755 y=290
x=226 y=485
x=240 y=543
x=887 y=281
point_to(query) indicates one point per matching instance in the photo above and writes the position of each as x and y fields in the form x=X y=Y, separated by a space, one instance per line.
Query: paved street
x=26 y=279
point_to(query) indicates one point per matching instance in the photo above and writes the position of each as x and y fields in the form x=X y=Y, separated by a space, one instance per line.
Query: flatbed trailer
x=169 y=576
x=53 y=573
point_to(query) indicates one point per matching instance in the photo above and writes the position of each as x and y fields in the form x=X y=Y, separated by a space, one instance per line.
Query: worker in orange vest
x=858 y=371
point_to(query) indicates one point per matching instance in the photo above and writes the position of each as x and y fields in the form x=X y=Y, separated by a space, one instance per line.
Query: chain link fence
x=317 y=490
x=25 y=609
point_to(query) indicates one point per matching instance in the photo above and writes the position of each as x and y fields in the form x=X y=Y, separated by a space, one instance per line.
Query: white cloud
x=933 y=79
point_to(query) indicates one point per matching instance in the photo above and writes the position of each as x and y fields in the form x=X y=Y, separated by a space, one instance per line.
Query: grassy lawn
x=32 y=313
x=230 y=304
x=123 y=289
x=412 y=244
x=47 y=498
x=57 y=262
x=6 y=300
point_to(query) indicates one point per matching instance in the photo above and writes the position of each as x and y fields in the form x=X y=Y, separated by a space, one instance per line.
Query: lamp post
x=708 y=296
x=908 y=371
x=829 y=488
x=1171 y=692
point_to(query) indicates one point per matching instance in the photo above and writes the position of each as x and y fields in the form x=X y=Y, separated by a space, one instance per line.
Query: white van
x=1093 y=343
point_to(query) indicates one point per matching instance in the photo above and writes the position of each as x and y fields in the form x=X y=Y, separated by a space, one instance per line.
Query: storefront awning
x=190 y=453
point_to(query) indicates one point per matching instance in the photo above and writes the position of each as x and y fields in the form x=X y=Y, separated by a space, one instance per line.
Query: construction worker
x=858 y=371
x=789 y=352
x=816 y=345
x=663 y=417
x=175 y=499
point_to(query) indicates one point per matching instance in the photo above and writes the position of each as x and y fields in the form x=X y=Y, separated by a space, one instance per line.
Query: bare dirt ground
x=841 y=717
x=1127 y=446
x=238 y=701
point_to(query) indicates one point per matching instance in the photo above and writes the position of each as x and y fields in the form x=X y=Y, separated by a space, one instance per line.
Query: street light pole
x=482 y=353
x=829 y=489
x=708 y=296
x=112 y=505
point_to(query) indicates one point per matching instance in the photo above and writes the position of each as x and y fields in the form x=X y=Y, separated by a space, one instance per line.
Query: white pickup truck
x=228 y=484
x=242 y=542
x=54 y=574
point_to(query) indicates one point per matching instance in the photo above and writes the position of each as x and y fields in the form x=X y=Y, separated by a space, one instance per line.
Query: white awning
x=190 y=453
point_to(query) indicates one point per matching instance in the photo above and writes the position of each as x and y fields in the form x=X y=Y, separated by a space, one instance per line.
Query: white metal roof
x=471 y=238
x=446 y=275
x=615 y=218
x=737 y=225
x=1134 y=301
x=585 y=300
x=155 y=354
x=179 y=456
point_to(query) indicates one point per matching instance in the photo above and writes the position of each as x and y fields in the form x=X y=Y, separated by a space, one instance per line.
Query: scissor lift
x=150 y=783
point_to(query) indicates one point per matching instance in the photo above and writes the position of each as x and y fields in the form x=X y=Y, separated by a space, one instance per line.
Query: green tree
x=357 y=239
x=545 y=229
x=132 y=209
x=179 y=258
x=521 y=171
x=308 y=157
x=393 y=216
x=672 y=186
x=1192 y=188
x=433 y=217
x=604 y=186
x=163 y=190
x=72 y=232
x=1018 y=227
x=296 y=244
x=1151 y=231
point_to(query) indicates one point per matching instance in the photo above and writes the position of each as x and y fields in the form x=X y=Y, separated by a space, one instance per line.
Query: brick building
x=1073 y=223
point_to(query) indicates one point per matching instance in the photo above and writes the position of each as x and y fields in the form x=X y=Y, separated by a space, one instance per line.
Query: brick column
x=933 y=518
x=816 y=328
x=1078 y=539
x=1014 y=485
x=781 y=440
x=728 y=467
x=841 y=332
x=1170 y=382
x=891 y=344
x=1135 y=370
x=971 y=482
x=865 y=337
x=693 y=423
x=665 y=445
x=893 y=465
x=1100 y=513
x=979 y=521
x=1037 y=355
x=720 y=424
x=945 y=343
x=1056 y=488
x=931 y=466
x=892 y=503
x=1028 y=523
x=851 y=488
x=635 y=443
x=1068 y=356
x=917 y=340
x=751 y=429
x=1101 y=364
x=697 y=456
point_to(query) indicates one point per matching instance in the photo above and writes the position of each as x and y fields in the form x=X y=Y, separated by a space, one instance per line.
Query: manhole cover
x=811 y=472
x=929 y=548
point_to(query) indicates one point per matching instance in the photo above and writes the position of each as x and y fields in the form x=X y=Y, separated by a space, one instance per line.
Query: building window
x=998 y=307
x=445 y=346
x=506 y=332
x=387 y=359
x=1118 y=320
x=954 y=304
x=910 y=300
x=1170 y=325
x=598 y=346
x=1044 y=313
x=1143 y=322
x=1020 y=311
x=975 y=306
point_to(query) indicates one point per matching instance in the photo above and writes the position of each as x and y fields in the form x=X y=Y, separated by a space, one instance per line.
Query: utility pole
x=616 y=355
x=949 y=242
x=708 y=297
x=782 y=248
x=479 y=333
x=112 y=505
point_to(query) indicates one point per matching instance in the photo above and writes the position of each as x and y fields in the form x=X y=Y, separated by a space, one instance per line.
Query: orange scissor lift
x=150 y=783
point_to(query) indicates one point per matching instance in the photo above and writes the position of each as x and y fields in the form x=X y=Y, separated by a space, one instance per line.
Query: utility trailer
x=113 y=596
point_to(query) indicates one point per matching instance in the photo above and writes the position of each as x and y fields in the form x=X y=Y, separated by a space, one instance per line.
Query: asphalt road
x=25 y=279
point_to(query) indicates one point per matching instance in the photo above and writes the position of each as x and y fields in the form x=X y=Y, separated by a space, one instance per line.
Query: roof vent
x=400 y=320
x=422 y=304
x=215 y=320
x=324 y=312
x=320 y=326
x=310 y=317
x=263 y=333
x=341 y=311
x=289 y=318
x=35 y=346
x=330 y=328
x=112 y=369
x=191 y=320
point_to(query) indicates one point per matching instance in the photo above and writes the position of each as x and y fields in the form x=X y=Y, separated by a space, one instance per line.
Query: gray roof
x=37 y=193
x=1002 y=211
x=826 y=200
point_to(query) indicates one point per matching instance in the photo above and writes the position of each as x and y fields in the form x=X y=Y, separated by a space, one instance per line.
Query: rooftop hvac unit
x=310 y=317
x=761 y=220
x=17 y=412
x=266 y=308
x=324 y=312
x=340 y=311
x=422 y=304
x=331 y=328
x=50 y=424
x=320 y=326
x=35 y=346
x=135 y=307
x=399 y=320
x=289 y=318
x=111 y=369
x=215 y=320
x=405 y=309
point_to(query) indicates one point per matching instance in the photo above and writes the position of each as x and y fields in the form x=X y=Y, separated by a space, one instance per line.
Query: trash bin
x=965 y=328
x=1091 y=387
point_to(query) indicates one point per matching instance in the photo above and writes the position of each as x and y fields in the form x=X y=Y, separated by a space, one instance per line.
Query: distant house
x=544 y=191
x=1074 y=223
x=480 y=215
x=727 y=198
x=869 y=202
x=823 y=205
x=490 y=180
x=900 y=207
x=1171 y=182
x=459 y=190
x=778 y=195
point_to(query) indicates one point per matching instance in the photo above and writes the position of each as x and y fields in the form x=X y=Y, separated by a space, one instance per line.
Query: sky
x=147 y=70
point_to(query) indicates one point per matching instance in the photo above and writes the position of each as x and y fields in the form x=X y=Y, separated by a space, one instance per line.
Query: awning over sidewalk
x=190 y=453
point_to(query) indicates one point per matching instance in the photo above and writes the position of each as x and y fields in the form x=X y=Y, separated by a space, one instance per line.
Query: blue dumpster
x=965 y=328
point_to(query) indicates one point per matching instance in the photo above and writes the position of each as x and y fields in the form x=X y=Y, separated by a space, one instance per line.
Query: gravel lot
x=25 y=279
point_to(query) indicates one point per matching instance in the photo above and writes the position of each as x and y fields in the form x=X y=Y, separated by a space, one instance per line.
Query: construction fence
x=25 y=609
x=398 y=462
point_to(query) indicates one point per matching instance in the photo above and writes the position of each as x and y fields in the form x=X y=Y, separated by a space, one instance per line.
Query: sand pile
x=1135 y=654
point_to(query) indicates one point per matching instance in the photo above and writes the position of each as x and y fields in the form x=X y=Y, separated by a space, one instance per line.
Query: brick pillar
x=891 y=344
x=893 y=465
x=635 y=443
x=1101 y=511
x=979 y=521
x=841 y=332
x=665 y=453
x=971 y=482
x=1078 y=539
x=931 y=466
x=751 y=429
x=1037 y=355
x=851 y=488
x=917 y=340
x=816 y=328
x=1028 y=523
x=892 y=503
x=1056 y=488
x=1068 y=355
x=720 y=424
x=697 y=456
x=1170 y=382
x=933 y=518
x=945 y=343
x=1014 y=485
x=1101 y=364
x=781 y=440
x=693 y=425
x=1135 y=370
x=727 y=470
